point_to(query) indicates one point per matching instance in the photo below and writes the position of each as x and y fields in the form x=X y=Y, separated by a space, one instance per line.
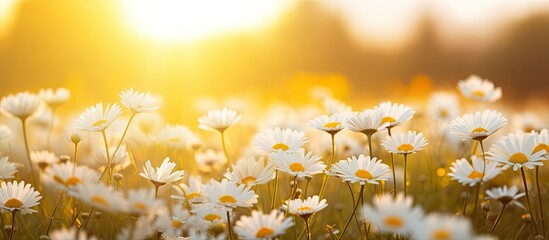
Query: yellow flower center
x=247 y=180
x=212 y=217
x=443 y=113
x=297 y=167
x=99 y=123
x=475 y=175
x=387 y=119
x=264 y=232
x=332 y=124
x=140 y=206
x=281 y=146
x=393 y=221
x=227 y=199
x=194 y=195
x=176 y=224
x=478 y=93
x=13 y=203
x=100 y=200
x=541 y=146
x=518 y=158
x=479 y=130
x=405 y=147
x=363 y=174
x=441 y=235
x=72 y=181
x=304 y=208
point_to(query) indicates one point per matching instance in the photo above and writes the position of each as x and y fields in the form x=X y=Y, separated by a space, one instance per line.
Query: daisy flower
x=443 y=106
x=542 y=143
x=440 y=226
x=43 y=159
x=478 y=126
x=210 y=213
x=192 y=192
x=119 y=161
x=97 y=119
x=517 y=151
x=7 y=169
x=505 y=195
x=467 y=174
x=331 y=124
x=395 y=114
x=100 y=196
x=308 y=207
x=210 y=160
x=477 y=89
x=175 y=136
x=362 y=169
x=142 y=201
x=230 y=195
x=138 y=102
x=219 y=120
x=67 y=176
x=19 y=197
x=298 y=164
x=275 y=140
x=404 y=143
x=262 y=226
x=55 y=98
x=367 y=121
x=392 y=215
x=21 y=105
x=161 y=175
x=251 y=172
x=334 y=106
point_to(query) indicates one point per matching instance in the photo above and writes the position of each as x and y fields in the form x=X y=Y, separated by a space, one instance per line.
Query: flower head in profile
x=118 y=161
x=405 y=143
x=505 y=195
x=191 y=192
x=249 y=171
x=298 y=164
x=478 y=126
x=542 y=143
x=210 y=160
x=67 y=176
x=368 y=121
x=306 y=207
x=262 y=226
x=219 y=120
x=43 y=159
x=176 y=136
x=276 y=139
x=362 y=170
x=97 y=119
x=20 y=197
x=475 y=88
x=163 y=174
x=138 y=102
x=210 y=213
x=21 y=105
x=443 y=106
x=142 y=201
x=7 y=169
x=517 y=151
x=395 y=114
x=230 y=195
x=54 y=98
x=392 y=215
x=442 y=226
x=100 y=196
x=467 y=174
x=331 y=124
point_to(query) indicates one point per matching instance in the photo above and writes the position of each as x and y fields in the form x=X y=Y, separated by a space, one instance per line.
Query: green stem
x=476 y=205
x=393 y=168
x=309 y=235
x=2 y=222
x=466 y=198
x=87 y=220
x=528 y=199
x=306 y=188
x=224 y=145
x=369 y=136
x=25 y=139
x=53 y=213
x=229 y=225
x=12 y=231
x=540 y=202
x=405 y=168
x=353 y=213
x=74 y=158
x=325 y=178
x=498 y=218
x=275 y=190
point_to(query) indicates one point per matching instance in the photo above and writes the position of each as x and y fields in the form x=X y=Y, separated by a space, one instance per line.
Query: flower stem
x=528 y=199
x=87 y=220
x=498 y=218
x=325 y=179
x=224 y=145
x=275 y=190
x=107 y=168
x=74 y=158
x=405 y=167
x=369 y=136
x=12 y=231
x=309 y=235
x=465 y=201
x=353 y=213
x=476 y=205
x=53 y=213
x=393 y=168
x=306 y=188
x=25 y=139
x=540 y=202
x=229 y=225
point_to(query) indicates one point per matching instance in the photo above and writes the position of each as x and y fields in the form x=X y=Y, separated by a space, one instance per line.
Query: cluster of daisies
x=125 y=175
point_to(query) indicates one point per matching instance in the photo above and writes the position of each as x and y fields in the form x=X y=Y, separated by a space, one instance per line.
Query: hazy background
x=180 y=49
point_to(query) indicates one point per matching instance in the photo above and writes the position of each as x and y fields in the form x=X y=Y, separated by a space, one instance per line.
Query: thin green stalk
x=229 y=225
x=498 y=218
x=353 y=213
x=53 y=213
x=540 y=202
x=293 y=190
x=369 y=136
x=12 y=231
x=325 y=179
x=476 y=205
x=75 y=158
x=108 y=160
x=306 y=188
x=528 y=199
x=405 y=170
x=25 y=139
x=466 y=198
x=224 y=145
x=393 y=168
x=2 y=222
x=275 y=190
x=87 y=220
x=309 y=235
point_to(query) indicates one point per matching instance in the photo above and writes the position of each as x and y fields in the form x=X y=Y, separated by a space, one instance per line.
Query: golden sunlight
x=174 y=20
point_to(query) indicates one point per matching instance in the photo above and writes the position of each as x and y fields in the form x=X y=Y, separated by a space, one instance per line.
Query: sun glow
x=189 y=20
